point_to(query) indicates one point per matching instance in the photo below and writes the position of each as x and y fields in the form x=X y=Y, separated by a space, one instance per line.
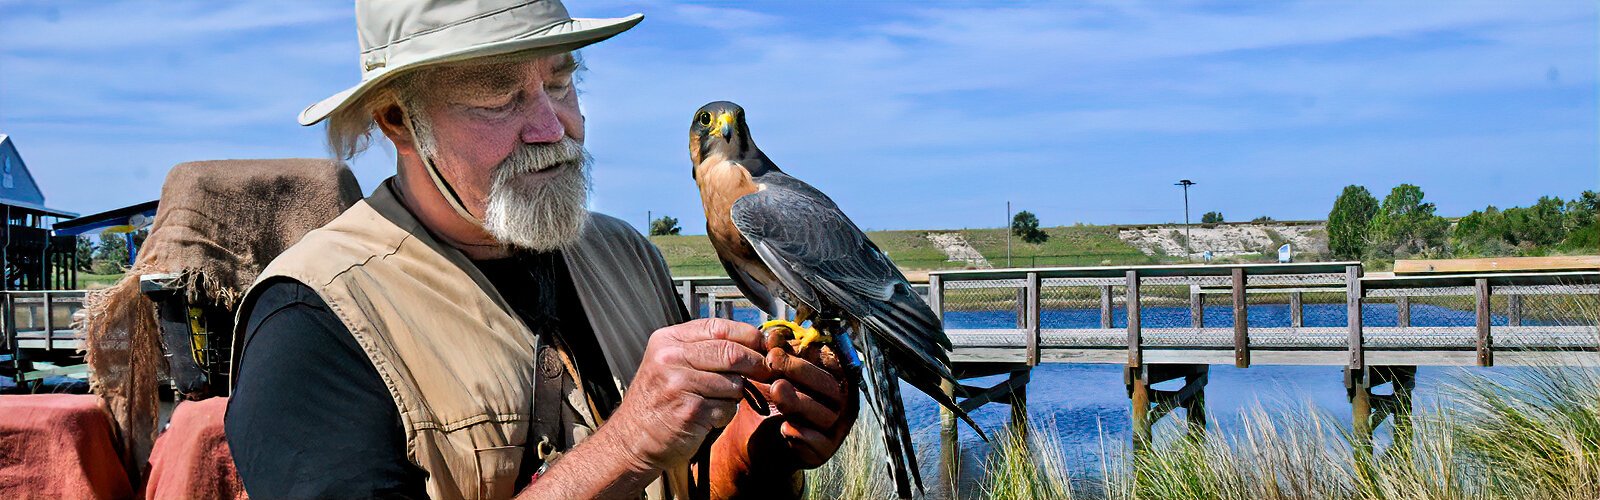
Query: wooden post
x=1197 y=307
x=1359 y=389
x=1139 y=393
x=1297 y=316
x=1135 y=348
x=49 y=322
x=949 y=436
x=1031 y=317
x=1138 y=389
x=1513 y=310
x=1485 y=342
x=1022 y=306
x=691 y=299
x=1353 y=293
x=1105 y=306
x=1019 y=402
x=1195 y=407
x=1241 y=321
x=1402 y=306
x=949 y=431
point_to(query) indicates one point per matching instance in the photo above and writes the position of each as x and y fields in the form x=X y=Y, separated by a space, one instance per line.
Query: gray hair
x=350 y=129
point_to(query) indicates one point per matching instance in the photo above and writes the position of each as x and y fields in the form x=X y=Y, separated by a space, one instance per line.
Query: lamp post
x=1187 y=242
x=1008 y=233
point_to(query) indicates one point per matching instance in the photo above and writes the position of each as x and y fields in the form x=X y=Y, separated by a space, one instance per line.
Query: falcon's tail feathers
x=927 y=375
x=883 y=390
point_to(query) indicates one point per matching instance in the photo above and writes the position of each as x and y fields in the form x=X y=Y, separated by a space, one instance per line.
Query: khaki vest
x=459 y=365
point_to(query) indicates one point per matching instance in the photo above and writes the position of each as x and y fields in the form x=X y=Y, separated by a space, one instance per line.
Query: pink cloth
x=191 y=458
x=58 y=446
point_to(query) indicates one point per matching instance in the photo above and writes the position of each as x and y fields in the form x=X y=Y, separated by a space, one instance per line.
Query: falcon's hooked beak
x=723 y=126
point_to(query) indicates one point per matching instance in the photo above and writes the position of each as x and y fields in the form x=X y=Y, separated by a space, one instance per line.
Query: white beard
x=540 y=215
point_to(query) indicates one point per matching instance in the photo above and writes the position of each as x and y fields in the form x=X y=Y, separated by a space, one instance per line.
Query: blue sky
x=910 y=115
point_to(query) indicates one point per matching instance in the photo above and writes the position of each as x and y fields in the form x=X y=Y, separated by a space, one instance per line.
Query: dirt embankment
x=958 y=250
x=1225 y=240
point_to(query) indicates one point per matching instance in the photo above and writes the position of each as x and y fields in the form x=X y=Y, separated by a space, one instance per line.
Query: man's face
x=507 y=137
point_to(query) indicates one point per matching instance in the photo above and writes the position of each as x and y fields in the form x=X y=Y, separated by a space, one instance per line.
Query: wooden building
x=33 y=259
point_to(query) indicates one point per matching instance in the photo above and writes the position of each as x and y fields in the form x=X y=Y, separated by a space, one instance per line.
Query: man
x=471 y=330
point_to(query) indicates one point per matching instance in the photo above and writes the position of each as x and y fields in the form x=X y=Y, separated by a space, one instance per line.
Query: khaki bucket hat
x=401 y=35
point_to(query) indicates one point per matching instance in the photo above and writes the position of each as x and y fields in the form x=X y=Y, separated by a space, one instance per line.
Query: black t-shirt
x=311 y=418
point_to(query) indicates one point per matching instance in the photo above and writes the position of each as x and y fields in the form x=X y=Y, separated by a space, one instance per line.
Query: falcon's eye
x=705 y=119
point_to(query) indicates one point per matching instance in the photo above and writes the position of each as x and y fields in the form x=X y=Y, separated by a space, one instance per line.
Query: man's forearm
x=599 y=467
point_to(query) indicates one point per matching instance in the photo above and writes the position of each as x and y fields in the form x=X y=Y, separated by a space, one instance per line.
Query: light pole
x=1187 y=242
x=1008 y=233
x=649 y=218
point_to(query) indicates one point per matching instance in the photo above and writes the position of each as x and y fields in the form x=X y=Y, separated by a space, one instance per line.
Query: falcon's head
x=719 y=129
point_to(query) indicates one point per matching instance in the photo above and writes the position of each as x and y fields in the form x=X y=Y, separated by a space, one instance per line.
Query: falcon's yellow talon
x=792 y=326
x=803 y=335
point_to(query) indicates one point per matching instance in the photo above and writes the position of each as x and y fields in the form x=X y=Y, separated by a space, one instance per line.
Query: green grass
x=689 y=255
x=1067 y=246
x=90 y=280
x=692 y=255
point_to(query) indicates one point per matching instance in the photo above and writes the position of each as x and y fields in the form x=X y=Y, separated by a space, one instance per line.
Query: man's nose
x=543 y=126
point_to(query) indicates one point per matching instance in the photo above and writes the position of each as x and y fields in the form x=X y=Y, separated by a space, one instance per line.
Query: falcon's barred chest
x=721 y=183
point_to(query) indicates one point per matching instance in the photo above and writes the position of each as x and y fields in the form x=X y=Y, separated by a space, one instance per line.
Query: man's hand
x=813 y=407
x=689 y=383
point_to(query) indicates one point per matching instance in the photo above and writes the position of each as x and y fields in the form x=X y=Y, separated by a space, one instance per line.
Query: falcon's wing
x=802 y=235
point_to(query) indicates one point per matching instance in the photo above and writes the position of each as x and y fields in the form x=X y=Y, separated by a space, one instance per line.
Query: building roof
x=134 y=215
x=17 y=187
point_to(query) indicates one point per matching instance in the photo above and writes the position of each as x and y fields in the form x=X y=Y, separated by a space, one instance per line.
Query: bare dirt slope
x=956 y=247
x=1226 y=240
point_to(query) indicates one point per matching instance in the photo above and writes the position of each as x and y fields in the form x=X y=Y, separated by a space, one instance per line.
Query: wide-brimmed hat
x=402 y=35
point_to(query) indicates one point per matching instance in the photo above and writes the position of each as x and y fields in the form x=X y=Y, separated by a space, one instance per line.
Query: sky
x=925 y=115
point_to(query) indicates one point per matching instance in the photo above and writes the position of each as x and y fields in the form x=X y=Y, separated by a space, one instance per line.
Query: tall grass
x=1514 y=434
x=1026 y=464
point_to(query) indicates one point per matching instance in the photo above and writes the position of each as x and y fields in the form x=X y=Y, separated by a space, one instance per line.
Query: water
x=1088 y=403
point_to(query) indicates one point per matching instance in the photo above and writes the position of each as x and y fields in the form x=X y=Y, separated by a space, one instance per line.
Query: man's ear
x=396 y=126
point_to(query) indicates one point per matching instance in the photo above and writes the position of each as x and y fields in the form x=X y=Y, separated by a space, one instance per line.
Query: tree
x=1211 y=218
x=1262 y=219
x=1348 y=222
x=666 y=225
x=1482 y=232
x=85 y=253
x=111 y=254
x=1405 y=225
x=1583 y=231
x=1542 y=224
x=1025 y=225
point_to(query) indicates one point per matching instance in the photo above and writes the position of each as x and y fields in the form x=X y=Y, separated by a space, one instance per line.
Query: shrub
x=1026 y=226
x=1349 y=221
x=666 y=225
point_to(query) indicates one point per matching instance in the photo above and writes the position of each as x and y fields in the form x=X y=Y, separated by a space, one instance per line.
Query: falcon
x=782 y=240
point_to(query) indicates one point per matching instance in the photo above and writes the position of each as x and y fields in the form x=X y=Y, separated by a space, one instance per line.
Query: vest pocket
x=497 y=470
